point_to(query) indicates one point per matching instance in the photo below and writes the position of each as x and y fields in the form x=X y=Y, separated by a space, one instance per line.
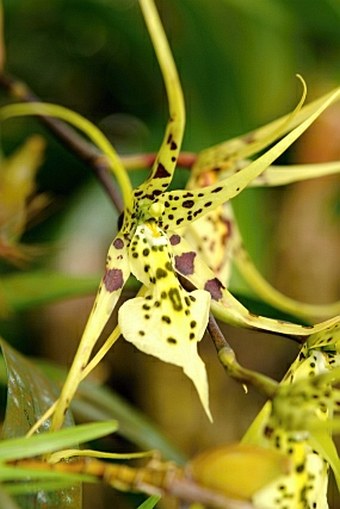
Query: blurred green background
x=237 y=60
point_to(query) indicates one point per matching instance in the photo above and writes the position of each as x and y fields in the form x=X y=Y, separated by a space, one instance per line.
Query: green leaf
x=22 y=447
x=150 y=502
x=30 y=393
x=26 y=290
x=18 y=473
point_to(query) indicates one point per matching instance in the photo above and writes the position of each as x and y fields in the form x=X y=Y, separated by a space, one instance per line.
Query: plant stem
x=227 y=357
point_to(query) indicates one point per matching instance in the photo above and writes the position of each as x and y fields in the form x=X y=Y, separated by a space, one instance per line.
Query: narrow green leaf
x=29 y=394
x=150 y=502
x=17 y=473
x=26 y=290
x=16 y=448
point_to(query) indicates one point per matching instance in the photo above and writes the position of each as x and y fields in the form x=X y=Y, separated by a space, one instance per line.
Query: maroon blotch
x=185 y=263
x=175 y=239
x=214 y=287
x=113 y=279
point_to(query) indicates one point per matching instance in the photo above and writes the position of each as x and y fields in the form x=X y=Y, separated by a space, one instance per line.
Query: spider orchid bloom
x=166 y=320
x=216 y=236
x=299 y=422
x=17 y=186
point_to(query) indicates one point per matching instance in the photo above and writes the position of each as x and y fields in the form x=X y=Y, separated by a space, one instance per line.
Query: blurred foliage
x=237 y=61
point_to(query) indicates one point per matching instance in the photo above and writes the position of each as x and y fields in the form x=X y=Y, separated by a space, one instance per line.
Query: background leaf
x=29 y=394
x=22 y=291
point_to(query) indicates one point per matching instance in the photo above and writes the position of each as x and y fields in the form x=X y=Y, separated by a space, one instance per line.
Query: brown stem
x=68 y=136
x=227 y=357
x=138 y=161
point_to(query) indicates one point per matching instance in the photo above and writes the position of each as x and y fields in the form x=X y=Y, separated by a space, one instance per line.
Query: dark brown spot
x=113 y=279
x=185 y=263
x=161 y=273
x=300 y=468
x=166 y=319
x=161 y=172
x=172 y=341
x=214 y=287
x=173 y=146
x=268 y=431
x=217 y=189
x=188 y=204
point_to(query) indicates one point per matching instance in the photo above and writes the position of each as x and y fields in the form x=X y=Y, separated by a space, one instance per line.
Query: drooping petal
x=216 y=237
x=271 y=295
x=189 y=264
x=167 y=322
x=165 y=163
x=180 y=208
x=116 y=273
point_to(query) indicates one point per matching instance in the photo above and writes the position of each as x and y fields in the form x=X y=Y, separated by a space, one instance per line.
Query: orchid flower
x=217 y=237
x=166 y=319
x=17 y=186
x=299 y=422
